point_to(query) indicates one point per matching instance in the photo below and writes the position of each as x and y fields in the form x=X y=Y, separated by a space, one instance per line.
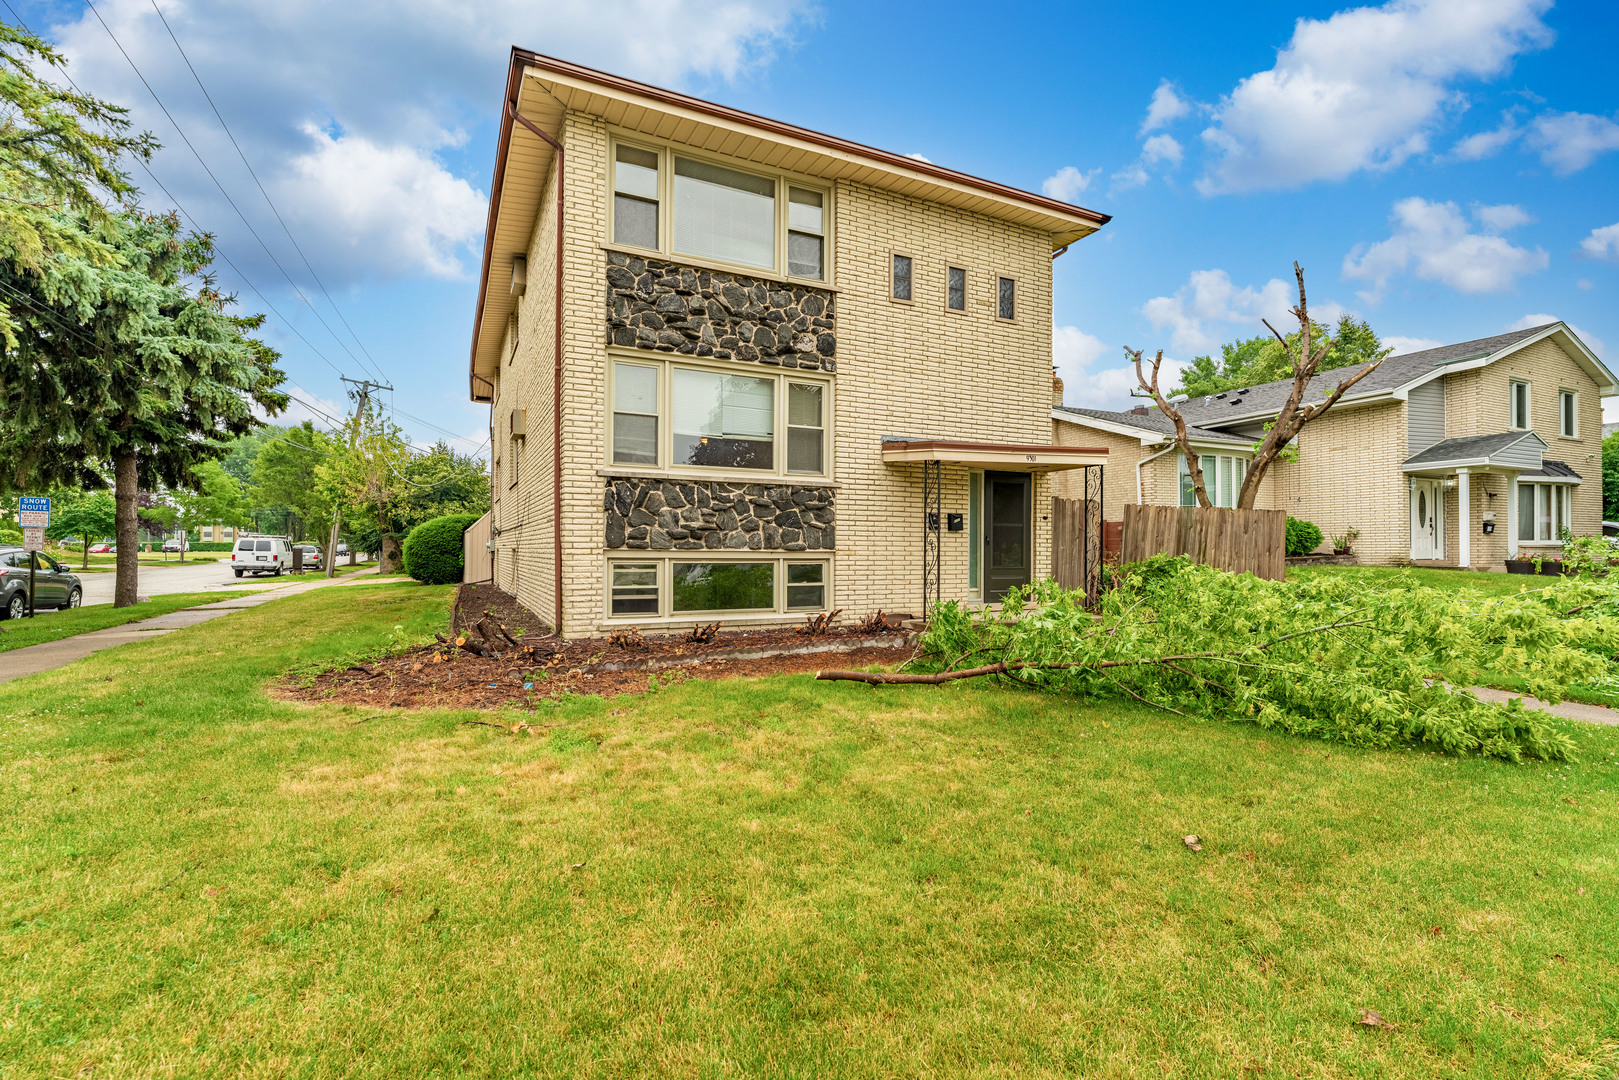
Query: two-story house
x=1464 y=455
x=741 y=370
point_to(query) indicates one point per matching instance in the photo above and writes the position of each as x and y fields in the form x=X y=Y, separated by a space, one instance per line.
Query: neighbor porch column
x=1464 y=523
x=1512 y=517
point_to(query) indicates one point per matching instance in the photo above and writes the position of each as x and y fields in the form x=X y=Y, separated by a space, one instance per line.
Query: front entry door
x=1008 y=550
x=1427 y=519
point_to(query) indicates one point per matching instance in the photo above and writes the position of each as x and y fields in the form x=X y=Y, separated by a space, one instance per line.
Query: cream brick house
x=741 y=370
x=1458 y=456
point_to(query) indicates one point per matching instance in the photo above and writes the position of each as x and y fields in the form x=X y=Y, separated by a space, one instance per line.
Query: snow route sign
x=33 y=512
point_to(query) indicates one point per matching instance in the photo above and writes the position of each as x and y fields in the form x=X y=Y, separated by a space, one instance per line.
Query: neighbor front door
x=1008 y=550
x=1427 y=519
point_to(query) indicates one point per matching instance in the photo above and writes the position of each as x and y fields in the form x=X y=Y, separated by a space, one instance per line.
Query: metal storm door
x=1008 y=550
x=1427 y=519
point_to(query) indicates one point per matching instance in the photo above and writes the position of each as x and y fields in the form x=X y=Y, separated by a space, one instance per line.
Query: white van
x=261 y=555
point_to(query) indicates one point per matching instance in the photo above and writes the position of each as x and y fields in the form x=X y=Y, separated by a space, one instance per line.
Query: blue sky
x=1445 y=170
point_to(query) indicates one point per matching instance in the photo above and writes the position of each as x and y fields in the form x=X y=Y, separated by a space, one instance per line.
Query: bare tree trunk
x=126 y=583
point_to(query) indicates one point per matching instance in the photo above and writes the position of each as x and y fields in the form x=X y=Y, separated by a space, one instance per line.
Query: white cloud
x=1568 y=142
x=919 y=157
x=1487 y=143
x=1433 y=241
x=1068 y=183
x=1594 y=343
x=1209 y=308
x=1603 y=243
x=1584 y=285
x=1362 y=90
x=1501 y=218
x=1166 y=107
x=1074 y=354
x=1161 y=148
x=391 y=86
x=1131 y=176
x=1403 y=345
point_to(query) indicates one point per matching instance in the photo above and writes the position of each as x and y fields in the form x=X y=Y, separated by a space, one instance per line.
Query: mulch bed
x=525 y=668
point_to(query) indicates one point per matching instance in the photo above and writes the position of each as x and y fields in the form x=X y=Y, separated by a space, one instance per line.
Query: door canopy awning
x=1513 y=451
x=1007 y=457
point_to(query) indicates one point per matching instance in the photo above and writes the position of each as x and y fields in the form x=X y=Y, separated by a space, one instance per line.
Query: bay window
x=1223 y=475
x=688 y=416
x=704 y=210
x=1544 y=511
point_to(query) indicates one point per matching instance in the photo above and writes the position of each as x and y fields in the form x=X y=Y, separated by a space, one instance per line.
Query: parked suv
x=260 y=555
x=54 y=585
x=171 y=546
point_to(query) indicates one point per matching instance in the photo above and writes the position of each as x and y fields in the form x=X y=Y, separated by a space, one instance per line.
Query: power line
x=232 y=202
x=231 y=135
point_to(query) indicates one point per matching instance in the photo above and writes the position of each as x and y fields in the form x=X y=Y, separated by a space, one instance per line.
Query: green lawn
x=767 y=878
x=55 y=625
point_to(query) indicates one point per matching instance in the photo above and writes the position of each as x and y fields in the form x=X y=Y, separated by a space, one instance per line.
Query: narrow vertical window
x=806 y=428
x=635 y=588
x=902 y=277
x=975 y=509
x=1567 y=411
x=1005 y=298
x=806 y=234
x=1526 y=512
x=1519 y=392
x=635 y=415
x=956 y=288
x=635 y=197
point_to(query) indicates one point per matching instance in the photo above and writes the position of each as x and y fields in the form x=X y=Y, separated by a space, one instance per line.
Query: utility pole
x=362 y=396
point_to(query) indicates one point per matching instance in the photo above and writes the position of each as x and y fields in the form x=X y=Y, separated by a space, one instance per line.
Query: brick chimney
x=1140 y=410
x=1056 y=390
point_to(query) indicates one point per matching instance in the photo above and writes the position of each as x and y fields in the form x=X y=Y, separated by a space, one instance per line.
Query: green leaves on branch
x=1332 y=658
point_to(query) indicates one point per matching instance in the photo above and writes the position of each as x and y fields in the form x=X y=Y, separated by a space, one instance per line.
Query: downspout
x=556 y=389
x=1143 y=461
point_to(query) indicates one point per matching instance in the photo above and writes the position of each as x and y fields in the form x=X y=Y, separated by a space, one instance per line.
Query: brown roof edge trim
x=831 y=142
x=503 y=140
x=1014 y=448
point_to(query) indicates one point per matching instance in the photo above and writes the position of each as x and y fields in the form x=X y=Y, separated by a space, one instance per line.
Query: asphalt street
x=190 y=577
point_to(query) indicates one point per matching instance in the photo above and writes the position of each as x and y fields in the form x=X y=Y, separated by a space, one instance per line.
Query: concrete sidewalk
x=55 y=654
x=1568 y=710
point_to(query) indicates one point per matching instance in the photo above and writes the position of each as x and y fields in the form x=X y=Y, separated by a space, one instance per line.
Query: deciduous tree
x=88 y=515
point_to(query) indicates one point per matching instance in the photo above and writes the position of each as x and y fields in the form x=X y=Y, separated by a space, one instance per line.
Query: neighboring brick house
x=1456 y=456
x=763 y=346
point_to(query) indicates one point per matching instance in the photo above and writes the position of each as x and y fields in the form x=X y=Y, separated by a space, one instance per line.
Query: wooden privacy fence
x=1242 y=541
x=1080 y=543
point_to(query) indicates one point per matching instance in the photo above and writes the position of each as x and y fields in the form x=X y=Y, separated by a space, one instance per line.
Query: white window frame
x=1568 y=406
x=1221 y=493
x=667 y=363
x=665 y=560
x=667 y=152
x=1512 y=405
x=1553 y=509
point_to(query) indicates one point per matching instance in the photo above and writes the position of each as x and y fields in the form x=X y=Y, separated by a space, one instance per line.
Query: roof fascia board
x=497 y=186
x=1586 y=359
x=706 y=112
x=1147 y=437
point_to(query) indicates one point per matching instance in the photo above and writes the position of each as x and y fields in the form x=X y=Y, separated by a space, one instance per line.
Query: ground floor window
x=1222 y=478
x=1544 y=511
x=673 y=587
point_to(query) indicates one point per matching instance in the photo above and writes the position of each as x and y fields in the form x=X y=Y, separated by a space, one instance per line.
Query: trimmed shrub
x=1302 y=537
x=433 y=553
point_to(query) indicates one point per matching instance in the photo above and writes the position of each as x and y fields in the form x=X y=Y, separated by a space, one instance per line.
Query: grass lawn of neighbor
x=771 y=877
x=55 y=625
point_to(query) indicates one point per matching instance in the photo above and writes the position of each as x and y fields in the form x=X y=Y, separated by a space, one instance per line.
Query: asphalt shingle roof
x=1156 y=422
x=1549 y=467
x=1467 y=448
x=1395 y=371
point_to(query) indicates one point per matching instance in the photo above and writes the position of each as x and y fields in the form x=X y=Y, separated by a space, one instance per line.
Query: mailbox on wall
x=1489 y=527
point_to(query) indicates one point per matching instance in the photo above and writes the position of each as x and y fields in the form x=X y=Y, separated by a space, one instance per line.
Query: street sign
x=33 y=537
x=34 y=512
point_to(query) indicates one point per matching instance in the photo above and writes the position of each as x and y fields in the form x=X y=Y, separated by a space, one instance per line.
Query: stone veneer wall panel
x=687 y=515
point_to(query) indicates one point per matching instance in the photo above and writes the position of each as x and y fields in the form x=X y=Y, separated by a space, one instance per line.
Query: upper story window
x=902 y=277
x=1005 y=298
x=688 y=206
x=1518 y=400
x=955 y=286
x=635 y=197
x=1568 y=414
x=688 y=416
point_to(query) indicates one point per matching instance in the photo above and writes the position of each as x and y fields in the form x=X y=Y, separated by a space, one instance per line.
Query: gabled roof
x=1504 y=449
x=1396 y=376
x=1151 y=427
x=542 y=89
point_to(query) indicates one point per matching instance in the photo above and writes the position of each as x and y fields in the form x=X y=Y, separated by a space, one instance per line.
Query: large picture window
x=675 y=588
x=724 y=421
x=723 y=214
x=723 y=586
x=1223 y=475
x=679 y=415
